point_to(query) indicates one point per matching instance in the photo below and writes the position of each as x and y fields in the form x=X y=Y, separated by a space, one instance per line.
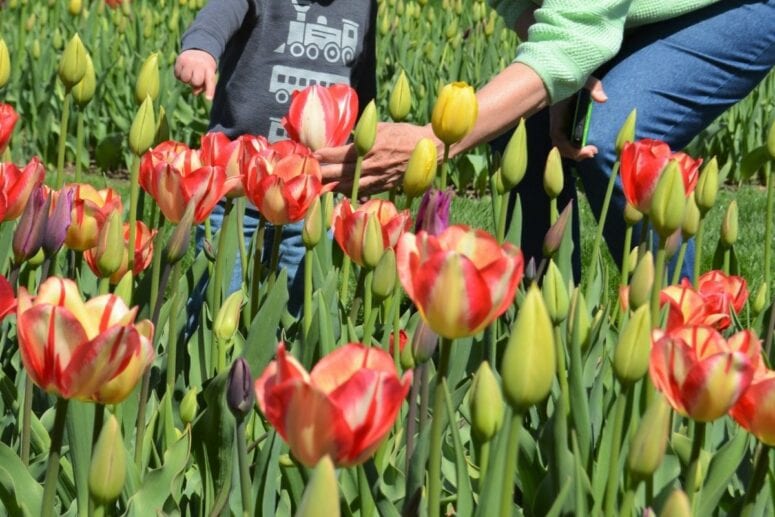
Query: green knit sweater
x=572 y=38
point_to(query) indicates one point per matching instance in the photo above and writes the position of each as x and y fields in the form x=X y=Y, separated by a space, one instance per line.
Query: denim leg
x=291 y=258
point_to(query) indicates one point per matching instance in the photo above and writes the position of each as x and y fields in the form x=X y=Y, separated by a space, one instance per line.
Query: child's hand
x=197 y=68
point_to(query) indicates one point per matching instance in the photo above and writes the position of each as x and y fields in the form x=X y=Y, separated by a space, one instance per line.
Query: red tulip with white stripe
x=755 y=410
x=350 y=225
x=16 y=186
x=218 y=150
x=322 y=116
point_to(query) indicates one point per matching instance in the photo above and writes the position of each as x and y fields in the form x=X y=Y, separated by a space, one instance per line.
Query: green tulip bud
x=677 y=505
x=400 y=99
x=691 y=218
x=771 y=140
x=107 y=472
x=642 y=282
x=124 y=288
x=759 y=302
x=321 y=496
x=707 y=186
x=189 y=407
x=632 y=260
x=110 y=245
x=528 y=367
x=553 y=238
x=328 y=210
x=631 y=355
x=385 y=275
x=162 y=127
x=366 y=129
x=384 y=26
x=227 y=319
x=579 y=315
x=486 y=404
x=632 y=215
x=421 y=169
x=5 y=63
x=181 y=236
x=648 y=445
x=553 y=176
x=424 y=343
x=72 y=66
x=729 y=226
x=36 y=49
x=514 y=162
x=373 y=244
x=406 y=358
x=682 y=445
x=497 y=182
x=669 y=201
x=627 y=131
x=83 y=92
x=143 y=130
x=147 y=84
x=555 y=294
x=312 y=231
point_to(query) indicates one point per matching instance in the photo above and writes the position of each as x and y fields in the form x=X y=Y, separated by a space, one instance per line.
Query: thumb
x=210 y=84
x=596 y=91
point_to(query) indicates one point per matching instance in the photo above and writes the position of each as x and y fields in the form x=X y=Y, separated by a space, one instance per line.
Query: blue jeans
x=680 y=74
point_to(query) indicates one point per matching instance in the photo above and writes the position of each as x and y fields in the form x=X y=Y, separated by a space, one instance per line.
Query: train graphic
x=312 y=39
x=286 y=79
x=276 y=130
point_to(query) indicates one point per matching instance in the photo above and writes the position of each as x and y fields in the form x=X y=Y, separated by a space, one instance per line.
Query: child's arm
x=204 y=42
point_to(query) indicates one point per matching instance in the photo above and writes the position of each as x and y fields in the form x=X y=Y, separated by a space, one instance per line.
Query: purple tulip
x=433 y=214
x=28 y=237
x=239 y=394
x=58 y=221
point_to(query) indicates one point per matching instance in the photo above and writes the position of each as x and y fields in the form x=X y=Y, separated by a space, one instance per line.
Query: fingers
x=334 y=155
x=337 y=171
x=596 y=91
x=209 y=83
x=567 y=150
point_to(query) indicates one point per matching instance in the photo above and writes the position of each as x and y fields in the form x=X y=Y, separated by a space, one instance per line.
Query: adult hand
x=561 y=117
x=383 y=167
x=197 y=68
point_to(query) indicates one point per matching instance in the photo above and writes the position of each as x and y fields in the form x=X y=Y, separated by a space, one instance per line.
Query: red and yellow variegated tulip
x=16 y=185
x=91 y=208
x=143 y=253
x=460 y=280
x=174 y=175
x=723 y=293
x=91 y=351
x=344 y=407
x=350 y=225
x=701 y=374
x=755 y=410
x=218 y=151
x=716 y=294
x=283 y=181
x=7 y=299
x=8 y=119
x=322 y=116
x=642 y=163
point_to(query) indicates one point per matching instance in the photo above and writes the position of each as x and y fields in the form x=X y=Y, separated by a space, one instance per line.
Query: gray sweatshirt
x=266 y=49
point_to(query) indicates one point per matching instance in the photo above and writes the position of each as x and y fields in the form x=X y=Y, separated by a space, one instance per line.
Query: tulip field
x=419 y=366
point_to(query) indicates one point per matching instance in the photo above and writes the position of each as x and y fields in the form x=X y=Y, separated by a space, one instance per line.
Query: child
x=266 y=49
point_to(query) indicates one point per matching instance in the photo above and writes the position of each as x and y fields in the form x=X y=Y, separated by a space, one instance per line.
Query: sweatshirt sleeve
x=509 y=10
x=214 y=26
x=570 y=39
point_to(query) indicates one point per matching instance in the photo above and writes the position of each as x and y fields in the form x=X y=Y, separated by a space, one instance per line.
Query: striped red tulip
x=343 y=408
x=8 y=119
x=755 y=410
x=217 y=150
x=91 y=351
x=716 y=295
x=91 y=208
x=283 y=181
x=723 y=293
x=350 y=225
x=642 y=163
x=7 y=299
x=700 y=373
x=143 y=253
x=321 y=116
x=16 y=185
x=461 y=280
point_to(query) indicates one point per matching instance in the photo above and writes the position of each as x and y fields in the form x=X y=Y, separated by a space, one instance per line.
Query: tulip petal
x=118 y=388
x=713 y=386
x=755 y=410
x=336 y=368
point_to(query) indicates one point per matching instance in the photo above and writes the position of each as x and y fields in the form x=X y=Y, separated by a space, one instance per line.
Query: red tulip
x=403 y=339
x=8 y=118
x=642 y=163
x=114 y=3
x=755 y=410
x=701 y=374
x=16 y=185
x=710 y=304
x=723 y=292
x=283 y=181
x=460 y=280
x=143 y=253
x=92 y=351
x=343 y=408
x=7 y=299
x=322 y=116
x=91 y=208
x=350 y=225
x=217 y=150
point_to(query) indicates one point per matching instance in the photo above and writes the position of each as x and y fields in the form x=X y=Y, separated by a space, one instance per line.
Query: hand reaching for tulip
x=561 y=115
x=197 y=69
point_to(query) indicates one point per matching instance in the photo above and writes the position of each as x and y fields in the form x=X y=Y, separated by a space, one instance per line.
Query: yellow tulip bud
x=631 y=355
x=148 y=79
x=321 y=496
x=529 y=360
x=627 y=131
x=669 y=201
x=83 y=92
x=72 y=66
x=74 y=7
x=143 y=130
x=555 y=294
x=691 y=218
x=486 y=404
x=5 y=63
x=677 y=505
x=227 y=319
x=421 y=169
x=312 y=230
x=366 y=129
x=553 y=176
x=107 y=472
x=647 y=448
x=455 y=112
x=514 y=162
x=400 y=99
x=632 y=215
x=707 y=186
x=642 y=282
x=188 y=406
x=729 y=226
x=385 y=275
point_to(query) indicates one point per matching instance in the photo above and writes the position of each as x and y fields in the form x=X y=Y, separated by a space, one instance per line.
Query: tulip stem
x=356 y=182
x=510 y=466
x=727 y=260
x=411 y=418
x=679 y=263
x=244 y=469
x=770 y=332
x=277 y=238
x=63 y=122
x=172 y=334
x=444 y=166
x=554 y=214
x=484 y=462
x=78 y=146
x=502 y=217
x=425 y=394
x=625 y=266
x=768 y=229
x=693 y=474
x=134 y=195
x=344 y=288
x=104 y=285
x=243 y=254
x=600 y=224
x=613 y=464
x=368 y=327
x=698 y=252
x=628 y=503
x=437 y=429
x=258 y=264
x=26 y=420
x=156 y=288
x=308 y=258
x=659 y=275
x=220 y=263
x=760 y=470
x=52 y=470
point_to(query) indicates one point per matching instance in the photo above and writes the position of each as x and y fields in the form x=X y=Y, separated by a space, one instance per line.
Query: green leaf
x=753 y=161
x=722 y=468
x=465 y=498
x=262 y=335
x=19 y=492
x=80 y=421
x=514 y=234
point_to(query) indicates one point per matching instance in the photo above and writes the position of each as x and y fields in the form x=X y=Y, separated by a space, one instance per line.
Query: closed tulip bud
x=384 y=25
x=632 y=215
x=162 y=127
x=5 y=63
x=633 y=260
x=707 y=186
x=37 y=259
x=209 y=251
x=58 y=222
x=406 y=358
x=143 y=130
x=400 y=99
x=107 y=472
x=328 y=210
x=28 y=236
x=181 y=236
x=239 y=395
x=227 y=319
x=312 y=231
x=424 y=343
x=454 y=113
x=729 y=226
x=677 y=505
x=486 y=404
x=627 y=131
x=36 y=49
x=189 y=407
x=83 y=92
x=373 y=243
x=72 y=66
x=631 y=355
x=673 y=244
x=579 y=316
x=528 y=367
x=421 y=169
x=771 y=140
x=531 y=272
x=74 y=7
x=385 y=275
x=555 y=294
x=497 y=181
x=124 y=288
x=514 y=161
x=553 y=238
x=321 y=495
x=110 y=245
x=553 y=175
x=759 y=302
x=691 y=218
x=366 y=129
x=642 y=282
x=647 y=448
x=668 y=204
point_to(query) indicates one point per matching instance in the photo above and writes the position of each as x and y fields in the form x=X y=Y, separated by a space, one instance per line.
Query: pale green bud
x=691 y=218
x=669 y=201
x=227 y=319
x=642 y=282
x=110 y=245
x=366 y=129
x=143 y=130
x=486 y=404
x=759 y=302
x=631 y=355
x=373 y=243
x=514 y=162
x=312 y=230
x=83 y=92
x=677 y=505
x=189 y=406
x=124 y=288
x=627 y=131
x=385 y=275
x=729 y=226
x=555 y=294
x=147 y=84
x=321 y=495
x=648 y=445
x=162 y=127
x=553 y=176
x=72 y=66
x=632 y=215
x=579 y=315
x=400 y=99
x=5 y=63
x=707 y=186
x=107 y=472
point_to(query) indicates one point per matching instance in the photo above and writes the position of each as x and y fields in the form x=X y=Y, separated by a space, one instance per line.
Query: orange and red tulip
x=461 y=280
x=143 y=253
x=322 y=116
x=350 y=225
x=8 y=119
x=217 y=150
x=723 y=293
x=755 y=410
x=92 y=351
x=91 y=208
x=343 y=408
x=7 y=299
x=716 y=294
x=16 y=185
